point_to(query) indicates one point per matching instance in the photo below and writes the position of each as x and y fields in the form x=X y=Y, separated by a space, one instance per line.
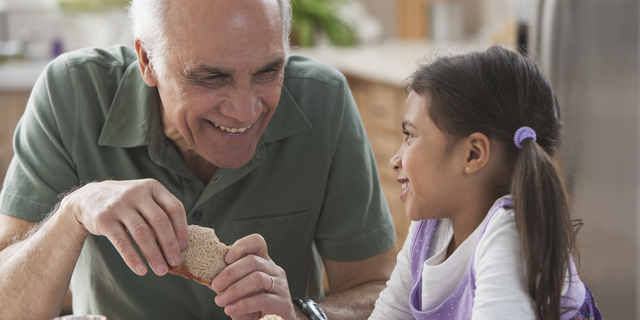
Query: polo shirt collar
x=133 y=118
x=288 y=119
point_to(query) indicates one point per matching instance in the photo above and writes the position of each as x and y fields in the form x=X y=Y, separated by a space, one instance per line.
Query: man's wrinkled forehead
x=225 y=32
x=216 y=16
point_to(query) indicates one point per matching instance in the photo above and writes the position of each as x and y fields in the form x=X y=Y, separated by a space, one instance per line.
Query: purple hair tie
x=522 y=134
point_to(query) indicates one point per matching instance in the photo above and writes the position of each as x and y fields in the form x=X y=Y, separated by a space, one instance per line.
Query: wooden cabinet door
x=12 y=106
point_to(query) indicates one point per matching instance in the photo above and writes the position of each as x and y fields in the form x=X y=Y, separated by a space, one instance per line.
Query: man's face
x=224 y=74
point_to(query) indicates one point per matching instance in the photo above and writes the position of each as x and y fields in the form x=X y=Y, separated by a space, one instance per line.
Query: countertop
x=20 y=75
x=389 y=62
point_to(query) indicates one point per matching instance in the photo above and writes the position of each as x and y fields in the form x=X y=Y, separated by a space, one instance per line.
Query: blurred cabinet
x=413 y=19
x=381 y=107
x=12 y=104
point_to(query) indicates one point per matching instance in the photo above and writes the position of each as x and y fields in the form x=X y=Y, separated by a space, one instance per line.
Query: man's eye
x=212 y=80
x=214 y=77
x=267 y=75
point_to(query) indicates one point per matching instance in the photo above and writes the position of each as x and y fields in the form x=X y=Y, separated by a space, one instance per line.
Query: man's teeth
x=232 y=130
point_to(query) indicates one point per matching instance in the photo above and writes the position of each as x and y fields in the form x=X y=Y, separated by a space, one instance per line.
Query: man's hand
x=252 y=286
x=145 y=209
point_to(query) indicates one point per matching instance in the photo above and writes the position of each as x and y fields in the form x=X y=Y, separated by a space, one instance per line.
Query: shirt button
x=197 y=215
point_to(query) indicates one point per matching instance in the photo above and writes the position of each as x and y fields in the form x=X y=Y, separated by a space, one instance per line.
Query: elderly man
x=207 y=122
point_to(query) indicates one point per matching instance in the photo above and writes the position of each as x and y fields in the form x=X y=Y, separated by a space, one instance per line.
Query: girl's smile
x=405 y=188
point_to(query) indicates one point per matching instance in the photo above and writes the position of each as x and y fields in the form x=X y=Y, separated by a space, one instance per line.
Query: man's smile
x=232 y=130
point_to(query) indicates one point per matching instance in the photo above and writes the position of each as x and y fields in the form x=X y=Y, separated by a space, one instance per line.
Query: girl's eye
x=407 y=135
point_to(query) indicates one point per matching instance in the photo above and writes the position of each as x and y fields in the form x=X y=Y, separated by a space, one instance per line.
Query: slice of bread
x=271 y=317
x=203 y=258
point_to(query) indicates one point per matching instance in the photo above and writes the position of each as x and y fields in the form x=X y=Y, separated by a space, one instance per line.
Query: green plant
x=90 y=5
x=311 y=15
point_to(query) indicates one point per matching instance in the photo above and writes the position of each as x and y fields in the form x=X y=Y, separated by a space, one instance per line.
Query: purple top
x=460 y=303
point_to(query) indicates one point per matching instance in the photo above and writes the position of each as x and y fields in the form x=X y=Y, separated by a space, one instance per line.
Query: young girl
x=492 y=234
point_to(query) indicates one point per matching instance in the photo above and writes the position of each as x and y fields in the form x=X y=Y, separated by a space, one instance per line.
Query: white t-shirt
x=501 y=291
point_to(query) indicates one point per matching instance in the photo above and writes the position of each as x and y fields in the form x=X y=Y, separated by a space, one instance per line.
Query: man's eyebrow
x=193 y=70
x=205 y=69
x=275 y=64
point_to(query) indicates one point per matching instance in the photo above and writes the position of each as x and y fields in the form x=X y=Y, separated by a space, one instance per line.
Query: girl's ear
x=477 y=148
x=148 y=75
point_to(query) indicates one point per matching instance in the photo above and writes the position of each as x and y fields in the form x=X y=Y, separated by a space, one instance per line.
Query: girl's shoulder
x=499 y=216
x=499 y=232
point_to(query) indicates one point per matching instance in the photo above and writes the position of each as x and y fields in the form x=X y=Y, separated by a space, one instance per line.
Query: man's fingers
x=121 y=241
x=145 y=209
x=158 y=220
x=256 y=305
x=241 y=269
x=175 y=211
x=145 y=237
x=252 y=284
x=253 y=244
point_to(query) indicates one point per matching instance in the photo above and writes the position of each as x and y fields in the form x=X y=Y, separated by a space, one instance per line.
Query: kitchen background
x=589 y=48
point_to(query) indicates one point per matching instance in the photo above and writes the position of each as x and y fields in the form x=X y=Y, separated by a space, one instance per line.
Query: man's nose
x=243 y=104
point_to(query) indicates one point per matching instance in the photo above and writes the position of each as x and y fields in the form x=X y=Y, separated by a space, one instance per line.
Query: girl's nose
x=395 y=162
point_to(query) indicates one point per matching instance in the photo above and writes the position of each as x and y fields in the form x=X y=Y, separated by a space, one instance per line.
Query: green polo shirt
x=311 y=189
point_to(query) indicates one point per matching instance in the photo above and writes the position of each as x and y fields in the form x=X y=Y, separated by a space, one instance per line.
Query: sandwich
x=203 y=258
x=271 y=317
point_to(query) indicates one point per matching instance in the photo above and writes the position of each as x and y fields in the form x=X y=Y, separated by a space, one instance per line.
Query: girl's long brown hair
x=496 y=92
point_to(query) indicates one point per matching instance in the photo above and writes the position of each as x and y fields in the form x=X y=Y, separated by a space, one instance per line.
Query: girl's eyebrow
x=406 y=123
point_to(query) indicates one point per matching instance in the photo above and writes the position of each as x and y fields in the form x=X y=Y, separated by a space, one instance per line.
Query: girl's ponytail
x=544 y=223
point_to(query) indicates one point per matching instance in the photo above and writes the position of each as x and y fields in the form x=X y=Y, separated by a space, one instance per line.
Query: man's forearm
x=356 y=303
x=35 y=272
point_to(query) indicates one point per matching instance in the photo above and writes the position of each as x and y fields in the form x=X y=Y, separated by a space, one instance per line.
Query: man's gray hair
x=148 y=19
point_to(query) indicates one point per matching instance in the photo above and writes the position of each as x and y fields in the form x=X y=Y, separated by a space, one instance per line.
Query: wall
x=596 y=77
x=42 y=23
x=385 y=12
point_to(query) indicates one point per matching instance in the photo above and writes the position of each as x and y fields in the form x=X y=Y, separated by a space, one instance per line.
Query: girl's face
x=425 y=168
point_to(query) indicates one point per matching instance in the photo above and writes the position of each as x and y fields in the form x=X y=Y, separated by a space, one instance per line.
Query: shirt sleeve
x=501 y=291
x=393 y=302
x=355 y=222
x=42 y=167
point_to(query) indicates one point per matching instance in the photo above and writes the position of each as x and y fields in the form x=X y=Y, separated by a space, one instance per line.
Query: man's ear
x=146 y=69
x=477 y=149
